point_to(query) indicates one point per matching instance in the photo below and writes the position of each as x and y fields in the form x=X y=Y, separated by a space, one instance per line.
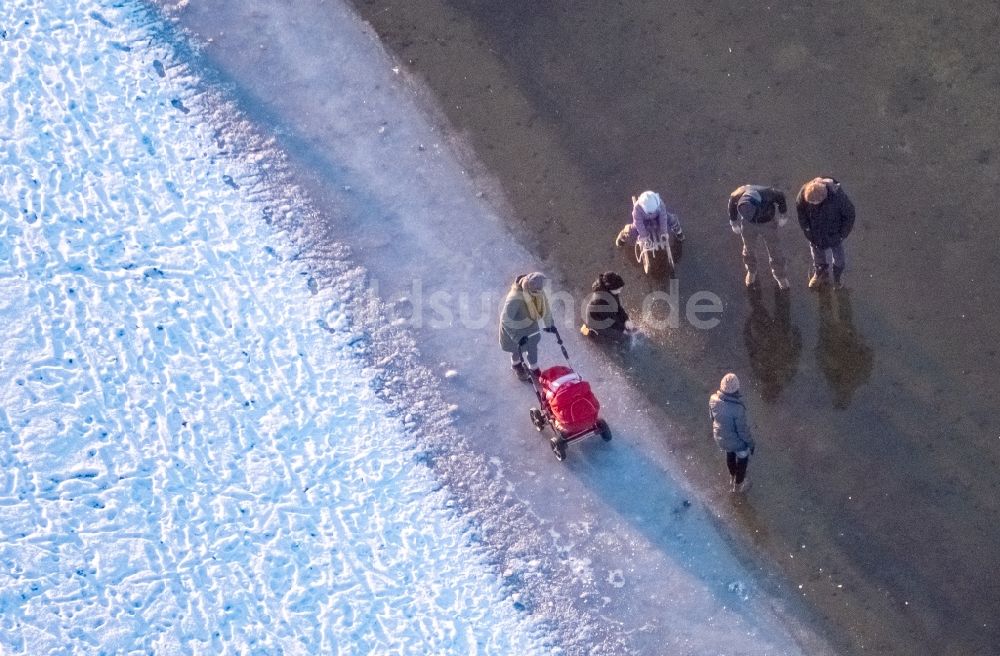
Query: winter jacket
x=516 y=321
x=830 y=222
x=764 y=200
x=605 y=314
x=645 y=226
x=729 y=422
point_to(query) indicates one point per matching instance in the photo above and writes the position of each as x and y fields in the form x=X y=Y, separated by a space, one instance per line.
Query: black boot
x=520 y=371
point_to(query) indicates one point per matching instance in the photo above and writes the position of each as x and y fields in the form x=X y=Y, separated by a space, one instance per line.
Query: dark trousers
x=737 y=466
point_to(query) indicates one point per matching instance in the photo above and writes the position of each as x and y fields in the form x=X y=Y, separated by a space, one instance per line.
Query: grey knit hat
x=534 y=282
x=730 y=384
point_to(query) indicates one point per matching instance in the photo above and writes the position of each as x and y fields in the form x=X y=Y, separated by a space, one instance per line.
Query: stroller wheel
x=559 y=448
x=604 y=430
x=537 y=419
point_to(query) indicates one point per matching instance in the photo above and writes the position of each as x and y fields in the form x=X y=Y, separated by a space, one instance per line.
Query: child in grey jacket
x=731 y=430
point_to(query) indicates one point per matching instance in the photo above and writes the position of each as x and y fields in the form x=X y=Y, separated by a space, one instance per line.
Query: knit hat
x=730 y=384
x=815 y=191
x=534 y=282
x=609 y=280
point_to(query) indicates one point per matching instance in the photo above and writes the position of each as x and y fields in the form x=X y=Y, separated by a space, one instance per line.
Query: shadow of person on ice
x=841 y=353
x=773 y=344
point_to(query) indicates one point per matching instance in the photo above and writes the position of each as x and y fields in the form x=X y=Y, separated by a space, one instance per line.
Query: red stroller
x=567 y=404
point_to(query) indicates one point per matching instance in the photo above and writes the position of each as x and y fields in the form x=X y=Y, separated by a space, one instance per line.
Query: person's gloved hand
x=680 y=235
x=550 y=329
x=629 y=326
x=737 y=227
x=619 y=241
x=782 y=220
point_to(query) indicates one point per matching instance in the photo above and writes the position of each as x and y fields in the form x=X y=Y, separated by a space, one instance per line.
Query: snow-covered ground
x=192 y=459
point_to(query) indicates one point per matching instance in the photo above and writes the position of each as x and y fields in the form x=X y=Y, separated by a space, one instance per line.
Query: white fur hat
x=649 y=201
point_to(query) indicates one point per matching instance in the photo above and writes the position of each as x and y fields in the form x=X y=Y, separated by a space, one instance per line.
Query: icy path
x=191 y=460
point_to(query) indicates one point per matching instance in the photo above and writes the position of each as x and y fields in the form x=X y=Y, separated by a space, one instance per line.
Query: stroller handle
x=559 y=341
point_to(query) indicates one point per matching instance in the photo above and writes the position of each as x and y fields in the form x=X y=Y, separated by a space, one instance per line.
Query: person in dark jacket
x=751 y=216
x=605 y=316
x=731 y=430
x=826 y=216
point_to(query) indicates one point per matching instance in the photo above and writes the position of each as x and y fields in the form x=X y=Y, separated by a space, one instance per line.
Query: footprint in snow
x=616 y=578
x=228 y=179
x=176 y=102
x=100 y=19
x=158 y=67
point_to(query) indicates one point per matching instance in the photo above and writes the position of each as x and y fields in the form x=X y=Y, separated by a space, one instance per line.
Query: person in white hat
x=731 y=431
x=650 y=217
